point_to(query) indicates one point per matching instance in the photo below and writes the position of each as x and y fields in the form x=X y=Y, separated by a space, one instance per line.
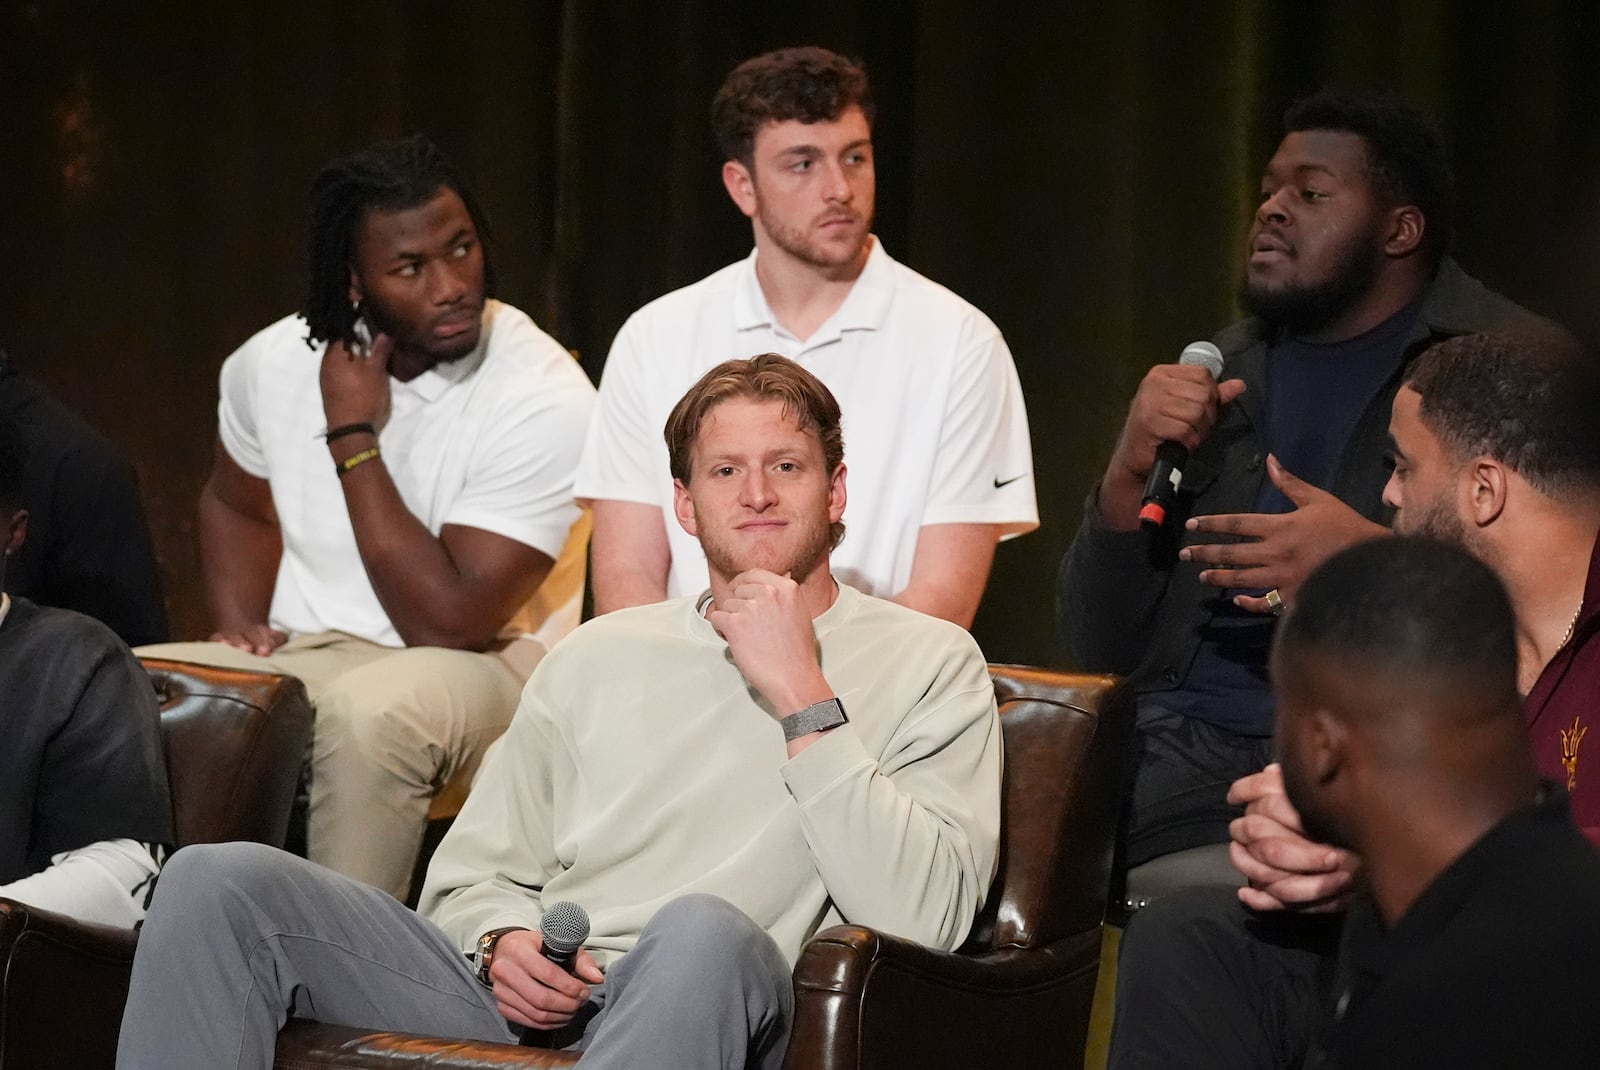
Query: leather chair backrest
x=1066 y=738
x=234 y=745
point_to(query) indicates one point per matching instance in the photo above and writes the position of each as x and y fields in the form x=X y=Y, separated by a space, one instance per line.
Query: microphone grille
x=565 y=927
x=1205 y=355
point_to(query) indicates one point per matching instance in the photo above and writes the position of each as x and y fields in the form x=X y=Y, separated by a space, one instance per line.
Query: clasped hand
x=1286 y=547
x=1286 y=869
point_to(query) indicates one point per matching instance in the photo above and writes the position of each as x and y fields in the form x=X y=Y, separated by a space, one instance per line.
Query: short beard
x=420 y=344
x=811 y=553
x=1305 y=309
x=1437 y=520
x=799 y=245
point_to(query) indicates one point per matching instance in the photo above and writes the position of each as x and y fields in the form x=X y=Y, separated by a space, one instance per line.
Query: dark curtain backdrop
x=1084 y=173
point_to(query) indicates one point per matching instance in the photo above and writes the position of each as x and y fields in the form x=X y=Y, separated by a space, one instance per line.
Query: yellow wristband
x=356 y=460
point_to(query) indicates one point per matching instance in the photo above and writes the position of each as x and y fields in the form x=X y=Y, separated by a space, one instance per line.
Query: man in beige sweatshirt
x=712 y=778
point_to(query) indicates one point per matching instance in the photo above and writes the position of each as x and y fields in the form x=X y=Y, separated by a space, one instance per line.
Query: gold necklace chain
x=1571 y=627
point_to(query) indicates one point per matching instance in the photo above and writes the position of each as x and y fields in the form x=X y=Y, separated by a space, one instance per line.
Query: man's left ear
x=836 y=495
x=741 y=186
x=683 y=507
x=1406 y=228
x=1487 y=484
x=1327 y=739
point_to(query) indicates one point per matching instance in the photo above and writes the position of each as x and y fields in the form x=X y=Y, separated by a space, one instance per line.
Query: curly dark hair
x=811 y=85
x=391 y=176
x=1528 y=400
x=1406 y=158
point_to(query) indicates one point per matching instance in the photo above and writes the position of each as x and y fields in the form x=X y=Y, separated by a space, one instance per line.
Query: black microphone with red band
x=1161 y=489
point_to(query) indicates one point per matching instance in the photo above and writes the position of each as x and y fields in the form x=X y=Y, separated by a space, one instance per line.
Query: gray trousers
x=240 y=937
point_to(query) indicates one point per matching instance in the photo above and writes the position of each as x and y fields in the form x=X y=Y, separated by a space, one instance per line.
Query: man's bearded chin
x=725 y=563
x=1300 y=309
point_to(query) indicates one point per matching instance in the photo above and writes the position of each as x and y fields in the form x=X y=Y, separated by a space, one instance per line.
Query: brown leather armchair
x=234 y=742
x=1017 y=995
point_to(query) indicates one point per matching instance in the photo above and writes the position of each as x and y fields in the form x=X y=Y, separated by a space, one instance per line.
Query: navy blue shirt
x=1315 y=395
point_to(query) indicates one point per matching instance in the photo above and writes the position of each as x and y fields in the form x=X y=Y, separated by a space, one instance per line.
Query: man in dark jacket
x=88 y=546
x=85 y=818
x=1347 y=278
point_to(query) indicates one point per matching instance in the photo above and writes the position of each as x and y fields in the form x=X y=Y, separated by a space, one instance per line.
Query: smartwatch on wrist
x=485 y=956
x=818 y=717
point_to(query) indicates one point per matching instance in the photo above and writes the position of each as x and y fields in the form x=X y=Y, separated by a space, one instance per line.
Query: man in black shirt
x=89 y=546
x=1475 y=941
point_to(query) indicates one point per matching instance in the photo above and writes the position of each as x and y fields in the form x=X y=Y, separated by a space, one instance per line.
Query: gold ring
x=1274 y=601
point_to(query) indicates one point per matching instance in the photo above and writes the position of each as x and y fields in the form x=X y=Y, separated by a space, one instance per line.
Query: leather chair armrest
x=864 y=999
x=306 y=1045
x=65 y=984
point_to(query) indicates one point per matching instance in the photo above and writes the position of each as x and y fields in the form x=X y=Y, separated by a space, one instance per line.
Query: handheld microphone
x=565 y=927
x=1161 y=489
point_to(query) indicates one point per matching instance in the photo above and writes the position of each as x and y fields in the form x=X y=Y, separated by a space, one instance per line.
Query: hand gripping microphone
x=565 y=927
x=1161 y=489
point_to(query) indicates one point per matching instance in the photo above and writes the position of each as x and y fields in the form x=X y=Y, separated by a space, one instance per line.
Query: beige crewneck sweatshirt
x=641 y=767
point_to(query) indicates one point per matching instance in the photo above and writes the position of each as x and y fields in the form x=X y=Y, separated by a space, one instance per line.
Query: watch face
x=484 y=956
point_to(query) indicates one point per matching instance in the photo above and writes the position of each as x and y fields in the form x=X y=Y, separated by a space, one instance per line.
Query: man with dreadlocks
x=390 y=514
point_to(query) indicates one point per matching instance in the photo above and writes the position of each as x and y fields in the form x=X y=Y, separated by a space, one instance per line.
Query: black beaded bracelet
x=349 y=429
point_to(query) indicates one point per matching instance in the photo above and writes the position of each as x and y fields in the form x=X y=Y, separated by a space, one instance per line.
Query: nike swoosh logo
x=998 y=483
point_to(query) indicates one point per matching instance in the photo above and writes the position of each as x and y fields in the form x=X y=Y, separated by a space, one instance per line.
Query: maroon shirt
x=1565 y=704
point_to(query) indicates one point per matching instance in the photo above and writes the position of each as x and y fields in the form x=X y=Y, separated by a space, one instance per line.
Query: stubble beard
x=420 y=344
x=1439 y=519
x=806 y=248
x=728 y=562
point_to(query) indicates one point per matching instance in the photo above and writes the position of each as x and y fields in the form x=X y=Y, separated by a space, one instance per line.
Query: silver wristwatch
x=818 y=717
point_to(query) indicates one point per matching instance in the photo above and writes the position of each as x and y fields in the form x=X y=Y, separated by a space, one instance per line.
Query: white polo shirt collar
x=431 y=385
x=865 y=309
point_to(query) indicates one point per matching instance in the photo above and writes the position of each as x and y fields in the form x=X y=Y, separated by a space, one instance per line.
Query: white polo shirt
x=934 y=427
x=490 y=441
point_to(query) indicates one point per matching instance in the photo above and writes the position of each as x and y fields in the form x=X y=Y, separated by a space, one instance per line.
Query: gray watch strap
x=828 y=713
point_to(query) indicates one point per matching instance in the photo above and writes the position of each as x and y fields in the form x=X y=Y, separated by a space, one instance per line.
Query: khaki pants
x=393 y=726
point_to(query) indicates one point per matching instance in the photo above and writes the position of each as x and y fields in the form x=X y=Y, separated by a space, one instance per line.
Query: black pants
x=1182 y=770
x=1203 y=981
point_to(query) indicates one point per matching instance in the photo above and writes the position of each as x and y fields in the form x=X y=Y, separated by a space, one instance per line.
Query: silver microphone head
x=565 y=927
x=1205 y=355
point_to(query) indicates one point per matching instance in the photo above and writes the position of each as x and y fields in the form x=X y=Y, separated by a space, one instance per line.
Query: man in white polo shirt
x=941 y=463
x=390 y=513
